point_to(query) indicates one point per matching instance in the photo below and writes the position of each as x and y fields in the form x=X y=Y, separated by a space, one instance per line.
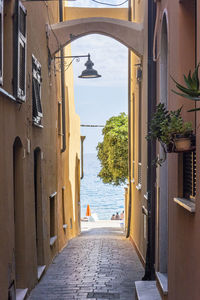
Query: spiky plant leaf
x=194 y=109
x=186 y=96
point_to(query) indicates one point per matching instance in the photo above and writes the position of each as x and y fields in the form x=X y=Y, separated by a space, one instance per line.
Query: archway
x=18 y=199
x=128 y=33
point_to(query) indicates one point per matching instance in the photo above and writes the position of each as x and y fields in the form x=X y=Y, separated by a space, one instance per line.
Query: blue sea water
x=104 y=199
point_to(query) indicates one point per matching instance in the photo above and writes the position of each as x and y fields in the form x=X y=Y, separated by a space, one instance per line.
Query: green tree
x=113 y=151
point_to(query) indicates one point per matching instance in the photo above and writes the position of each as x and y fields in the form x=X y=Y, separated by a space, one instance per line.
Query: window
x=133 y=135
x=63 y=208
x=20 y=53
x=189 y=175
x=36 y=91
x=1 y=42
x=59 y=118
x=52 y=223
x=139 y=128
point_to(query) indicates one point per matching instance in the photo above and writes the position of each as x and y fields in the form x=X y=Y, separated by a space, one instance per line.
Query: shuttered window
x=36 y=91
x=21 y=93
x=20 y=52
x=1 y=42
x=189 y=175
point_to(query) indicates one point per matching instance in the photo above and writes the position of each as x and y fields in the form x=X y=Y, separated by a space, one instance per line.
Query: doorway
x=18 y=199
x=38 y=210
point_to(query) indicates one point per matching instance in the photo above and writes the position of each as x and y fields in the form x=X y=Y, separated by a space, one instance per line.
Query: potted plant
x=170 y=130
x=191 y=91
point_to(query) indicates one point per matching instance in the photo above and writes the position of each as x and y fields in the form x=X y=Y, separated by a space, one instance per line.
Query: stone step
x=147 y=290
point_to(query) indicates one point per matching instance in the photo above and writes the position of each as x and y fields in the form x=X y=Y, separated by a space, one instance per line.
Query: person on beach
x=113 y=217
x=117 y=216
x=122 y=215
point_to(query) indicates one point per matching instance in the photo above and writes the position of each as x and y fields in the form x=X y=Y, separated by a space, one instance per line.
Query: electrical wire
x=109 y=4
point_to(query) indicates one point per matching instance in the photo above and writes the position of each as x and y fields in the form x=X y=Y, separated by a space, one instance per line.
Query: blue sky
x=97 y=100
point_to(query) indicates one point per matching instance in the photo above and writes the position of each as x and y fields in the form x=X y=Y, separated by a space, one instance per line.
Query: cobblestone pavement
x=99 y=264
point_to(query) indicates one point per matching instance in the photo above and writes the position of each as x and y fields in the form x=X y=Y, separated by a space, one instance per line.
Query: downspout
x=82 y=140
x=151 y=178
x=195 y=120
x=62 y=75
x=129 y=132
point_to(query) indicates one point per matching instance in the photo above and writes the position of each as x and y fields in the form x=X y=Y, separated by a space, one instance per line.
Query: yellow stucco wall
x=138 y=227
x=72 y=13
x=74 y=139
x=68 y=168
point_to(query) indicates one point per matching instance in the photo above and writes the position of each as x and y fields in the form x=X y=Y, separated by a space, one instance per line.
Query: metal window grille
x=36 y=91
x=189 y=174
x=140 y=173
x=1 y=41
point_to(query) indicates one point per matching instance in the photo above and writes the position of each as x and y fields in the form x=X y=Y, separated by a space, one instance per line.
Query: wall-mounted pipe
x=129 y=135
x=82 y=171
x=151 y=173
x=62 y=74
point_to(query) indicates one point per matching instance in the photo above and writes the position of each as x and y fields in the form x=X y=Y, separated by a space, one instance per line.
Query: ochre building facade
x=39 y=207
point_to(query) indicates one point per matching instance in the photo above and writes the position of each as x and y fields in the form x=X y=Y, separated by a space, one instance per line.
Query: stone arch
x=128 y=33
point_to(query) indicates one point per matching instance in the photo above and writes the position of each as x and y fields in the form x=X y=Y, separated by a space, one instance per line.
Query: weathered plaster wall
x=57 y=169
x=184 y=246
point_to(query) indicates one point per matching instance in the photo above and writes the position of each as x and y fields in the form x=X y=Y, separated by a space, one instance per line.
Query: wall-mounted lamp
x=89 y=72
x=139 y=72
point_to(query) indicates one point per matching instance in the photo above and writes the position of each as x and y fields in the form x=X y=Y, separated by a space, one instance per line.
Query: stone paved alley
x=99 y=264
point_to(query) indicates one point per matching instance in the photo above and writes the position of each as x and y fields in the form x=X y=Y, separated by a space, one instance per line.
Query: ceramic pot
x=182 y=143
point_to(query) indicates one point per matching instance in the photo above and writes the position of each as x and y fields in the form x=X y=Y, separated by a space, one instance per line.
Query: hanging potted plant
x=181 y=132
x=170 y=130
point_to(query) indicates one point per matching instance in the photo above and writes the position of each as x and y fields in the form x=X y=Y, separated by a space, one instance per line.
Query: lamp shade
x=89 y=72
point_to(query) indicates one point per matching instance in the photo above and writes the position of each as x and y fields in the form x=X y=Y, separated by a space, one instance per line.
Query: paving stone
x=99 y=264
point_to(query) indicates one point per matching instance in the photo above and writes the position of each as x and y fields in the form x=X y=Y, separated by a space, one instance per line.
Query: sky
x=96 y=100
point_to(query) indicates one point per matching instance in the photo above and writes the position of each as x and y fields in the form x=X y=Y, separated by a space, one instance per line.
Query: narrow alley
x=99 y=264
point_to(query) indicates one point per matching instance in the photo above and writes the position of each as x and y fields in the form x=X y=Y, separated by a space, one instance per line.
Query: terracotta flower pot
x=182 y=143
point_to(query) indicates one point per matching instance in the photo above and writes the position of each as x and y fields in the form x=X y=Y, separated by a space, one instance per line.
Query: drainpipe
x=62 y=74
x=82 y=140
x=129 y=135
x=150 y=253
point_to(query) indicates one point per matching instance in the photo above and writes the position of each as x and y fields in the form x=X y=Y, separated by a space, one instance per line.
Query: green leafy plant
x=191 y=91
x=165 y=126
x=113 y=151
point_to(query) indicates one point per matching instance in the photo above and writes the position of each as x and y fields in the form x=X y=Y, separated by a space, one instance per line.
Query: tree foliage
x=113 y=151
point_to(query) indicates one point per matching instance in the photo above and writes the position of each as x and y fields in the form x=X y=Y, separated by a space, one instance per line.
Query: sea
x=104 y=199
